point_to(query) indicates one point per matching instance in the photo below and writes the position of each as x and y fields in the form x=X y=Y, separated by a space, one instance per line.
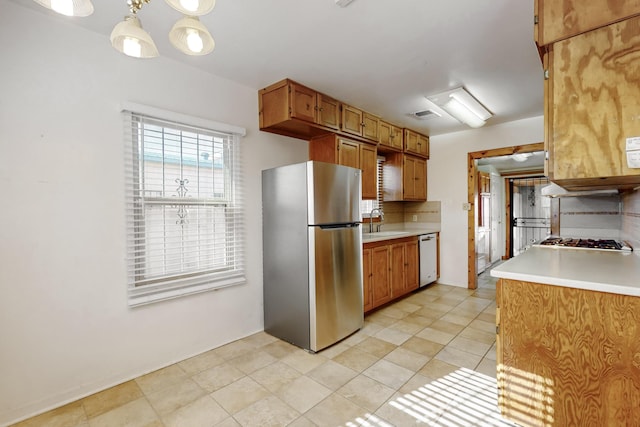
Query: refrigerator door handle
x=335 y=226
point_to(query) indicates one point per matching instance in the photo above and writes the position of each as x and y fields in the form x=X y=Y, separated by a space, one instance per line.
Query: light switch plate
x=466 y=206
x=414 y=218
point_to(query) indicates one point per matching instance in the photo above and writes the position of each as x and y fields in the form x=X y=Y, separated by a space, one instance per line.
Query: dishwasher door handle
x=426 y=239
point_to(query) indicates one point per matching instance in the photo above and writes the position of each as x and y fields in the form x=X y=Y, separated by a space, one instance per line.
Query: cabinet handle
x=362 y=124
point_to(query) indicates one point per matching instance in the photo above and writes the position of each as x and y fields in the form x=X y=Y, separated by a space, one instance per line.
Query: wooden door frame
x=472 y=187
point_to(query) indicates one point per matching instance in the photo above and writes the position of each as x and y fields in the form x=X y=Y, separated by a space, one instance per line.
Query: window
x=184 y=212
x=366 y=206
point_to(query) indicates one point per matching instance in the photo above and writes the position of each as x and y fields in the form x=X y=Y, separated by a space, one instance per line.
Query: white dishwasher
x=428 y=258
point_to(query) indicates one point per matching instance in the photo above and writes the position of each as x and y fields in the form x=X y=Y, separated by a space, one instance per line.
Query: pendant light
x=192 y=7
x=131 y=39
x=69 y=7
x=189 y=36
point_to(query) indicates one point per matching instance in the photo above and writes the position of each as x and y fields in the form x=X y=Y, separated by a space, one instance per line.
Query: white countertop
x=616 y=272
x=398 y=231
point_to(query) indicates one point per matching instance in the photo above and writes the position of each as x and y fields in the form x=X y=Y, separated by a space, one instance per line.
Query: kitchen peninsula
x=568 y=337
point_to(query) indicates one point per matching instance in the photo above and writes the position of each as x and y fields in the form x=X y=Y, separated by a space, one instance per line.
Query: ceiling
x=381 y=56
x=513 y=163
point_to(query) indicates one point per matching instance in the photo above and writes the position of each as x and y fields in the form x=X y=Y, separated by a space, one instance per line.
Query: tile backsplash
x=631 y=219
x=593 y=217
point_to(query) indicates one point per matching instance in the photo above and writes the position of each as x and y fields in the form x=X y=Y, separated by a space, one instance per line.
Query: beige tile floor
x=428 y=359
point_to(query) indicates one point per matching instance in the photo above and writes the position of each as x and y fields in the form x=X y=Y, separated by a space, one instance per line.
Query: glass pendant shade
x=192 y=7
x=131 y=39
x=189 y=36
x=69 y=7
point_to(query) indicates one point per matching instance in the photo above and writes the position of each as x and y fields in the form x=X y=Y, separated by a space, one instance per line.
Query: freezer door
x=334 y=193
x=335 y=284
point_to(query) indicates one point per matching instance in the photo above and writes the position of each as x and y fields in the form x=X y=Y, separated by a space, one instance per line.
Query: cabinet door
x=398 y=278
x=410 y=141
x=414 y=178
x=385 y=133
x=371 y=126
x=559 y=20
x=594 y=105
x=423 y=145
x=328 y=112
x=348 y=153
x=303 y=103
x=369 y=166
x=367 y=275
x=380 y=285
x=351 y=120
x=409 y=178
x=420 y=179
x=397 y=138
x=412 y=266
x=390 y=136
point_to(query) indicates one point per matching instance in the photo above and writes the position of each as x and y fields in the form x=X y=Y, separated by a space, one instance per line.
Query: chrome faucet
x=371 y=218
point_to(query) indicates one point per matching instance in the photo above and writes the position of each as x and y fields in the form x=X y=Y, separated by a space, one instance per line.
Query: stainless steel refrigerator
x=312 y=253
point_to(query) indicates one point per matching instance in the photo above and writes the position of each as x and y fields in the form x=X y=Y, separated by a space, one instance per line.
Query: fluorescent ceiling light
x=343 y=3
x=68 y=7
x=462 y=106
x=521 y=157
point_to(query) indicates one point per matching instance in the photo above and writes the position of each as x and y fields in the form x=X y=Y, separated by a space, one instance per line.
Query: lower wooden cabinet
x=567 y=357
x=390 y=270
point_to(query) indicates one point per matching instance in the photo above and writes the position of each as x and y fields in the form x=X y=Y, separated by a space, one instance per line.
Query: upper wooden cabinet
x=391 y=137
x=416 y=143
x=405 y=178
x=291 y=109
x=557 y=20
x=332 y=148
x=592 y=106
x=359 y=123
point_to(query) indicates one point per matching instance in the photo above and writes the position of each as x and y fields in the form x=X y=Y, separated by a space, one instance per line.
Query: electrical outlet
x=414 y=218
x=466 y=206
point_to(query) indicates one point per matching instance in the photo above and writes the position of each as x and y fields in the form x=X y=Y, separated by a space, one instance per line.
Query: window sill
x=148 y=295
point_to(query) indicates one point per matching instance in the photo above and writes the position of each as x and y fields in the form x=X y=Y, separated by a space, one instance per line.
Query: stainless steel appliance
x=312 y=253
x=428 y=258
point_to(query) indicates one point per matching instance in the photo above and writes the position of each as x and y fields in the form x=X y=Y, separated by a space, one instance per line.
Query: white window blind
x=366 y=206
x=184 y=211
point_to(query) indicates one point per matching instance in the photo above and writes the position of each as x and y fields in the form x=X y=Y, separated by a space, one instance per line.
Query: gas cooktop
x=601 y=244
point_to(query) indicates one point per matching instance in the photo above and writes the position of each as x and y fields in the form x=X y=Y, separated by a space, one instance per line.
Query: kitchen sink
x=388 y=234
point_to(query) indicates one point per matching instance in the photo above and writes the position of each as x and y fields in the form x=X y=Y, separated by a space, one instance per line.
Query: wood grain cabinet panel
x=328 y=112
x=556 y=20
x=405 y=178
x=391 y=137
x=289 y=108
x=332 y=148
x=567 y=357
x=360 y=123
x=367 y=276
x=380 y=281
x=593 y=106
x=416 y=143
x=390 y=269
x=369 y=166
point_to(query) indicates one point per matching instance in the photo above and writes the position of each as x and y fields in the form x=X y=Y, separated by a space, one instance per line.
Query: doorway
x=530 y=213
x=506 y=153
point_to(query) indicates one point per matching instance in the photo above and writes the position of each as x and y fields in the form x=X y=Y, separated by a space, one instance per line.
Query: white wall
x=65 y=328
x=447 y=182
